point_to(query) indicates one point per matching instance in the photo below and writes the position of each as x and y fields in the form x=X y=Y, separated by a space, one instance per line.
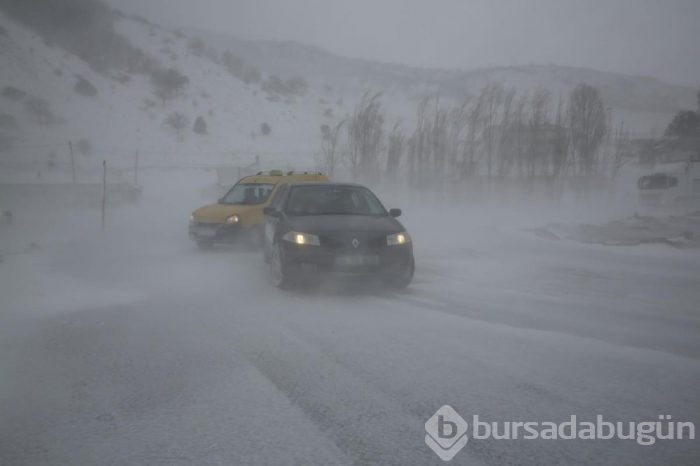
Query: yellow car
x=239 y=214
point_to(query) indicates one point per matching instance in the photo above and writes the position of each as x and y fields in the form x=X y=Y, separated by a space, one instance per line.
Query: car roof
x=274 y=177
x=327 y=183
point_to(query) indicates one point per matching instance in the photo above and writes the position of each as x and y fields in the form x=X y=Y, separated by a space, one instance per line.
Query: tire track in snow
x=365 y=423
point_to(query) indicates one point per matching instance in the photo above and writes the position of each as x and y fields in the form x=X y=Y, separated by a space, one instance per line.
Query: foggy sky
x=659 y=38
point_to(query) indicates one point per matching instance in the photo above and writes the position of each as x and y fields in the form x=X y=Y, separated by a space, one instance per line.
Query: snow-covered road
x=136 y=348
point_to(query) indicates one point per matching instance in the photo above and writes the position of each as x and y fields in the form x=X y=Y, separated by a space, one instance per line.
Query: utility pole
x=72 y=160
x=104 y=192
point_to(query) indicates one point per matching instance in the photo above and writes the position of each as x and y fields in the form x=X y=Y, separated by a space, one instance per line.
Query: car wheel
x=403 y=279
x=278 y=269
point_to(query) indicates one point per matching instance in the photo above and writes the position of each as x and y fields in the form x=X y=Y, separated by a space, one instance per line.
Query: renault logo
x=355 y=243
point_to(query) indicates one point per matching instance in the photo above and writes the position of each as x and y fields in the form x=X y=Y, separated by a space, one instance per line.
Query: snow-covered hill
x=125 y=116
x=645 y=104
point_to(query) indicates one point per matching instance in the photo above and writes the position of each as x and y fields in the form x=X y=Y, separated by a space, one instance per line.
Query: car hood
x=217 y=213
x=316 y=224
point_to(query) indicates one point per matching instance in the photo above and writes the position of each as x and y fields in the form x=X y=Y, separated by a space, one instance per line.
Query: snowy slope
x=125 y=117
x=645 y=104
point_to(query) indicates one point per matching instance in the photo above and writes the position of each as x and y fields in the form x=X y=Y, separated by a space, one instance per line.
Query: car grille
x=344 y=241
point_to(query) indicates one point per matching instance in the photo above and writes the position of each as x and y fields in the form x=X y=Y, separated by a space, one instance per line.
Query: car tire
x=278 y=269
x=404 y=279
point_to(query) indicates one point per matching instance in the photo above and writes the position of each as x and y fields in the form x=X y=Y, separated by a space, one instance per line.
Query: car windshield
x=248 y=193
x=333 y=200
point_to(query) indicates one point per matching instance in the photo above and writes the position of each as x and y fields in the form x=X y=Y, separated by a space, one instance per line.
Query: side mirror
x=271 y=211
x=395 y=212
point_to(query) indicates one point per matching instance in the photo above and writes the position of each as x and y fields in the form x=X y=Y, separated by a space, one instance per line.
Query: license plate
x=206 y=232
x=357 y=260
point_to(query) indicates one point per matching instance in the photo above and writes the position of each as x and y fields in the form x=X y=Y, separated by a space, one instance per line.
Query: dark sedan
x=313 y=230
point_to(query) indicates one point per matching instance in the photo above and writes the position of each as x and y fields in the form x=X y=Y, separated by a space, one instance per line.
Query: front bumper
x=215 y=232
x=318 y=262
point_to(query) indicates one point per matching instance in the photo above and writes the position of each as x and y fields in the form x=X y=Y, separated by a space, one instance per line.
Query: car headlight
x=301 y=238
x=232 y=219
x=398 y=239
x=191 y=217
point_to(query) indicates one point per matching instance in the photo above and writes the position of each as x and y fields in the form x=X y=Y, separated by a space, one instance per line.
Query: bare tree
x=418 y=146
x=457 y=125
x=537 y=133
x=365 y=136
x=329 y=147
x=561 y=142
x=588 y=126
x=620 y=143
x=492 y=99
x=439 y=142
x=506 y=135
x=178 y=122
x=395 y=149
x=471 y=143
x=521 y=125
